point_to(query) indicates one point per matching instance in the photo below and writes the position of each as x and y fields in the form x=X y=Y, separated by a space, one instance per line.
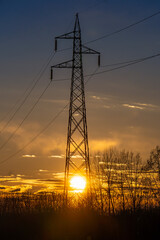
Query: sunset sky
x=123 y=106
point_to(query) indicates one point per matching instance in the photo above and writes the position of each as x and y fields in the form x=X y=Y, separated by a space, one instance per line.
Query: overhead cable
x=43 y=130
x=34 y=82
x=124 y=28
x=26 y=116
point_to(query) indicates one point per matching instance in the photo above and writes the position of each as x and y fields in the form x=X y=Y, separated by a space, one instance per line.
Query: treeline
x=123 y=182
x=120 y=182
x=44 y=217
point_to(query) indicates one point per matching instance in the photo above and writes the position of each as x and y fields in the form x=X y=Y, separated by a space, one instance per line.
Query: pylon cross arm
x=69 y=35
x=66 y=64
x=87 y=50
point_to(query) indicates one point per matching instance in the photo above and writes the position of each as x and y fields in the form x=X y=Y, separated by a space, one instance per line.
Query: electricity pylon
x=77 y=151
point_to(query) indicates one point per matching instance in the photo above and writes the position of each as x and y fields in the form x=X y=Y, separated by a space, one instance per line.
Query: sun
x=78 y=183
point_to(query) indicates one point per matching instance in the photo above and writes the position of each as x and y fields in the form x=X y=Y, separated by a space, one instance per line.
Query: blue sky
x=123 y=107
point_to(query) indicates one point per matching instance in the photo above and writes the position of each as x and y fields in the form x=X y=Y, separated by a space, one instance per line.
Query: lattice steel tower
x=77 y=151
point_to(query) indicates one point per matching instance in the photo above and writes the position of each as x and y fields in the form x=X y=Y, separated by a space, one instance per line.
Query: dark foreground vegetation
x=44 y=217
x=124 y=204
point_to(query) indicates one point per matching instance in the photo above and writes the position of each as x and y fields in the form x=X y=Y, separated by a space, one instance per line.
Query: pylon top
x=77 y=24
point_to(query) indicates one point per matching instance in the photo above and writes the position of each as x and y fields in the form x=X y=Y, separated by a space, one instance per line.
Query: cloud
x=42 y=170
x=57 y=101
x=106 y=106
x=96 y=97
x=56 y=156
x=100 y=98
x=133 y=106
x=104 y=101
x=76 y=114
x=29 y=156
x=109 y=102
x=20 y=175
x=58 y=175
x=15 y=188
x=100 y=145
x=76 y=156
x=22 y=184
x=148 y=105
x=47 y=143
x=141 y=106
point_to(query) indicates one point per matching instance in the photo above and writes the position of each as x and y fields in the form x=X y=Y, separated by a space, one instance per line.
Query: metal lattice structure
x=77 y=151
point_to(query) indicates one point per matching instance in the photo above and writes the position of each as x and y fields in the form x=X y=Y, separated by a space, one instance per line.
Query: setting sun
x=78 y=183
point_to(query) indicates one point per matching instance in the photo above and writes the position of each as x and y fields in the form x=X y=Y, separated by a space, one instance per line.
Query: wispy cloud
x=76 y=156
x=106 y=106
x=20 y=175
x=29 y=156
x=14 y=183
x=132 y=106
x=58 y=175
x=75 y=114
x=100 y=145
x=100 y=98
x=57 y=101
x=57 y=156
x=96 y=97
x=110 y=102
x=141 y=106
x=148 y=105
x=104 y=101
x=63 y=156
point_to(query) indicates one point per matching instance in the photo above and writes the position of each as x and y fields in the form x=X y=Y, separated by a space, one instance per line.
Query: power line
x=124 y=28
x=32 y=108
x=91 y=75
x=128 y=63
x=35 y=81
x=117 y=31
x=121 y=63
x=36 y=136
x=44 y=129
x=27 y=115
x=24 y=93
x=131 y=62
